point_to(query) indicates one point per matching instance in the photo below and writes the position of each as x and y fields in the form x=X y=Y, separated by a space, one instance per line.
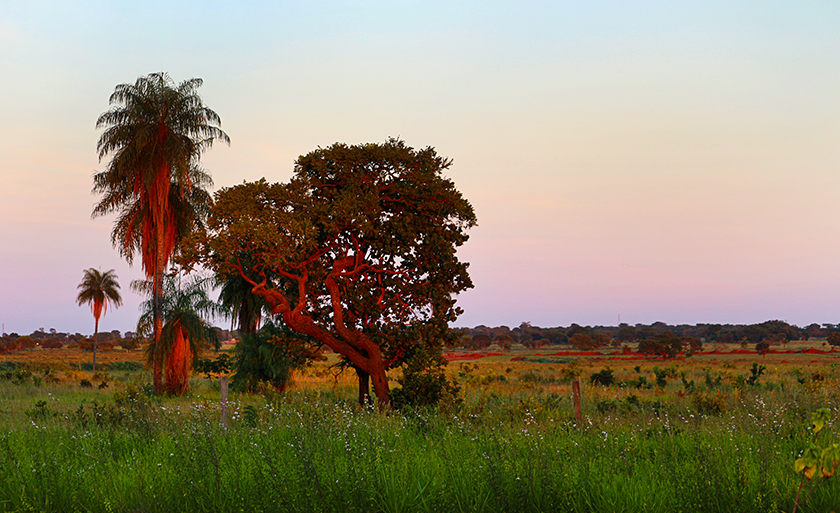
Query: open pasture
x=710 y=432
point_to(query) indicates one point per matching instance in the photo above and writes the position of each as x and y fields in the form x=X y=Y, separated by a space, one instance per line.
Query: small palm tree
x=184 y=330
x=98 y=289
x=239 y=303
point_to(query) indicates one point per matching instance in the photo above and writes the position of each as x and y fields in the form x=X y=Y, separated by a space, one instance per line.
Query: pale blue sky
x=673 y=161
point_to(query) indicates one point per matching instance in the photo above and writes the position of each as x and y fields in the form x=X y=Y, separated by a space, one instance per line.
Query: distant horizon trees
x=774 y=332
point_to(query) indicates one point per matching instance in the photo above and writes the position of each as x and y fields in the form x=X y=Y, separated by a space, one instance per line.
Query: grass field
x=704 y=433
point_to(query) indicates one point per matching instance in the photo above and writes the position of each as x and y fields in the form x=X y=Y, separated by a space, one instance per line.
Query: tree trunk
x=380 y=386
x=364 y=387
x=95 y=332
x=178 y=365
x=157 y=315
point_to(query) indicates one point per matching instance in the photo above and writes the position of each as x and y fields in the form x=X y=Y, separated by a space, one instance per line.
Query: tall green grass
x=516 y=452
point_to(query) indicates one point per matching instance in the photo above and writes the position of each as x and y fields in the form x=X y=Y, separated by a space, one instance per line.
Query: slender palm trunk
x=157 y=316
x=95 y=333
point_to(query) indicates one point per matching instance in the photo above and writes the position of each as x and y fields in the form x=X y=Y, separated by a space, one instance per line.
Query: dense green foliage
x=358 y=250
x=269 y=356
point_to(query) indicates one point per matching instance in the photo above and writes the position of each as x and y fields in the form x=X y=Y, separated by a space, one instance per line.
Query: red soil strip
x=468 y=356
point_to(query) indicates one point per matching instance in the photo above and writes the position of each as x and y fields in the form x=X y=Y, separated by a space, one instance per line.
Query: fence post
x=576 y=398
x=223 y=381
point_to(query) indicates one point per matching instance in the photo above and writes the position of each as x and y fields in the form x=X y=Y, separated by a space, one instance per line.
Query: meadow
x=710 y=432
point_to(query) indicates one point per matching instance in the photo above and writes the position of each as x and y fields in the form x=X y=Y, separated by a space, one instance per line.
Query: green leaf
x=819 y=419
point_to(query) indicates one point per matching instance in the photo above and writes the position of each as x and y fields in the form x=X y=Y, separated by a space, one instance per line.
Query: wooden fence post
x=576 y=398
x=223 y=381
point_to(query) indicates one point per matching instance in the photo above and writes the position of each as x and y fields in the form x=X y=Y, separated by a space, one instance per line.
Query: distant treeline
x=588 y=337
x=52 y=339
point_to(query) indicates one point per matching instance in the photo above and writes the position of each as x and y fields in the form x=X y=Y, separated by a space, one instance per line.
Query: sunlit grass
x=512 y=445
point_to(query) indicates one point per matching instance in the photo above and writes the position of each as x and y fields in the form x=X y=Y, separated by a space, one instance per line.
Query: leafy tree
x=833 y=339
x=24 y=342
x=480 y=341
x=98 y=289
x=600 y=340
x=582 y=341
x=505 y=341
x=155 y=133
x=626 y=334
x=362 y=246
x=694 y=344
x=665 y=344
x=183 y=304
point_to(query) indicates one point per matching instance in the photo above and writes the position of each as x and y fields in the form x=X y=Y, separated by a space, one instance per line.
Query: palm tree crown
x=155 y=134
x=98 y=289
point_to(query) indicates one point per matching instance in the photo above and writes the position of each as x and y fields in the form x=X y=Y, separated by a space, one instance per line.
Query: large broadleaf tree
x=358 y=251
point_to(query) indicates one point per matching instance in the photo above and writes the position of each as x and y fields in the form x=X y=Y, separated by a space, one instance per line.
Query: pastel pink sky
x=665 y=161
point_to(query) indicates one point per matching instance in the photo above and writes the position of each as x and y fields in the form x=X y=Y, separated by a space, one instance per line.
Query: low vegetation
x=707 y=433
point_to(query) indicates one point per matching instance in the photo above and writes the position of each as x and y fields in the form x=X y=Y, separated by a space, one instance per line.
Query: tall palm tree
x=184 y=304
x=98 y=289
x=155 y=133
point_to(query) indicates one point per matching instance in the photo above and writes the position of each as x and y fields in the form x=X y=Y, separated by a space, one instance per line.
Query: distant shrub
x=605 y=377
x=582 y=341
x=708 y=404
x=51 y=344
x=666 y=345
x=504 y=341
x=129 y=344
x=124 y=366
x=24 y=342
x=478 y=341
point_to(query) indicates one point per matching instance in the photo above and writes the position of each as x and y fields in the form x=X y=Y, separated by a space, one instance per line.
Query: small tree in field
x=357 y=251
x=833 y=340
x=583 y=341
x=98 y=289
x=505 y=341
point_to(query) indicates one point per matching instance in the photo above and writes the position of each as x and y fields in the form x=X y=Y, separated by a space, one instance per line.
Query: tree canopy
x=357 y=250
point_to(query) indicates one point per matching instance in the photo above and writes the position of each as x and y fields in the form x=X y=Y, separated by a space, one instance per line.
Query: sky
x=636 y=161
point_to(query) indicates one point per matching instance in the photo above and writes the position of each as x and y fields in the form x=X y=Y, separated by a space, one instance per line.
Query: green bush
x=424 y=382
x=604 y=378
x=427 y=387
x=269 y=355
